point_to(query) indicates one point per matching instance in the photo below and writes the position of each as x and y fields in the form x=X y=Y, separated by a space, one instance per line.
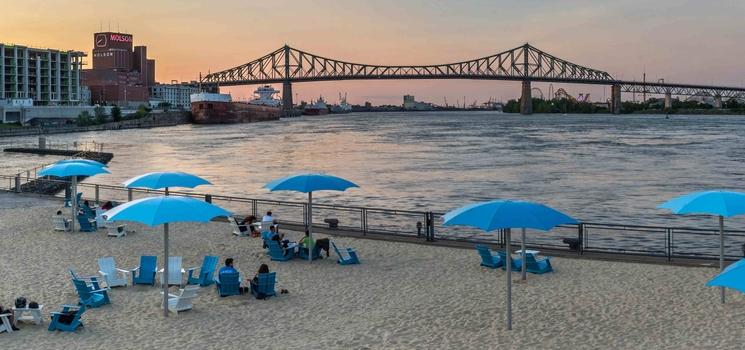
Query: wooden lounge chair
x=264 y=289
x=5 y=325
x=206 y=272
x=347 y=256
x=538 y=266
x=61 y=223
x=516 y=263
x=237 y=227
x=228 y=284
x=93 y=295
x=489 y=259
x=57 y=323
x=87 y=224
x=183 y=301
x=113 y=276
x=277 y=253
x=145 y=273
x=175 y=272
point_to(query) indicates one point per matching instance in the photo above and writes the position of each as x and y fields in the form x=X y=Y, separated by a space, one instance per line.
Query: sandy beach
x=402 y=296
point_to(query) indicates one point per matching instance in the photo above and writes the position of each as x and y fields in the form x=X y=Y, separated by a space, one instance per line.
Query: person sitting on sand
x=228 y=268
x=66 y=221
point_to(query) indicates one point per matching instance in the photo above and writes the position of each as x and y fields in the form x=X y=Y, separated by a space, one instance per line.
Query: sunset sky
x=679 y=40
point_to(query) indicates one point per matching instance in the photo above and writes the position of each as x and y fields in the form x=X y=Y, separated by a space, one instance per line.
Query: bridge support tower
x=718 y=101
x=668 y=101
x=615 y=99
x=526 y=101
x=287 y=96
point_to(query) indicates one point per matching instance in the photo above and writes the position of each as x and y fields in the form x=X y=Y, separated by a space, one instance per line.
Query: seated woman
x=249 y=223
x=254 y=283
x=10 y=317
x=108 y=205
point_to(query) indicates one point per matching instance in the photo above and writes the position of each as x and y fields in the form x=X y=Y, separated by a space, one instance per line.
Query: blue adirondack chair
x=145 y=273
x=228 y=284
x=86 y=225
x=276 y=252
x=206 y=272
x=265 y=286
x=349 y=258
x=487 y=258
x=91 y=295
x=302 y=252
x=516 y=265
x=539 y=266
x=68 y=202
x=56 y=325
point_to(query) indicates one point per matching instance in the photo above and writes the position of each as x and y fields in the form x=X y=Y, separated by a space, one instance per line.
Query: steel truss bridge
x=525 y=63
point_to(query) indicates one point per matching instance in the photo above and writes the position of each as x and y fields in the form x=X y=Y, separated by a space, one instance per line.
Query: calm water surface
x=599 y=168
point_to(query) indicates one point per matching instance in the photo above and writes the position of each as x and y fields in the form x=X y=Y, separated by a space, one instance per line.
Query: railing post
x=432 y=227
x=669 y=244
x=129 y=195
x=254 y=209
x=18 y=183
x=97 y=197
x=28 y=175
x=580 y=238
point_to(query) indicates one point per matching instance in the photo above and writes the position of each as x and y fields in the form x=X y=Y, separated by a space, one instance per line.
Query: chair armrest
x=99 y=290
x=190 y=269
x=4 y=315
x=102 y=273
x=135 y=269
x=122 y=271
x=160 y=270
x=71 y=306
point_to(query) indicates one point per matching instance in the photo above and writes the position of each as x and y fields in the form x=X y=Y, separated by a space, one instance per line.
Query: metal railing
x=639 y=240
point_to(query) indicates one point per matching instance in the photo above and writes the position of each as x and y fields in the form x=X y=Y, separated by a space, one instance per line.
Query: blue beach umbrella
x=73 y=169
x=732 y=277
x=158 y=180
x=158 y=210
x=309 y=183
x=508 y=214
x=715 y=202
x=84 y=161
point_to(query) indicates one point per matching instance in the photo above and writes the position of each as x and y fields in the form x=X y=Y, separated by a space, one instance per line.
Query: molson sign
x=122 y=38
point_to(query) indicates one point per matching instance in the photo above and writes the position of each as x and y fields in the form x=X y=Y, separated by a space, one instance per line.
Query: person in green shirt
x=307 y=243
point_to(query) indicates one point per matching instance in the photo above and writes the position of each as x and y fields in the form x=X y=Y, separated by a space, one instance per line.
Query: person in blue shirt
x=228 y=268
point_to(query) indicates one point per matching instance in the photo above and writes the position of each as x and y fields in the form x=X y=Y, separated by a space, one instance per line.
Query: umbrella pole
x=165 y=268
x=74 y=200
x=310 y=226
x=524 y=270
x=721 y=250
x=508 y=254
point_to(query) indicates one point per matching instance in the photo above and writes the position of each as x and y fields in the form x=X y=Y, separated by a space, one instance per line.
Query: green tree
x=100 y=114
x=116 y=113
x=84 y=119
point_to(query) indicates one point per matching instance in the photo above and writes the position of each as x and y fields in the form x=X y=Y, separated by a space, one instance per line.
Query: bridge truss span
x=288 y=64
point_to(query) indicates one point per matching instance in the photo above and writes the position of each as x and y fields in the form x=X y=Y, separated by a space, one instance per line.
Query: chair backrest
x=174 y=269
x=107 y=266
x=209 y=264
x=230 y=283
x=344 y=255
x=59 y=222
x=530 y=259
x=186 y=298
x=484 y=252
x=148 y=265
x=266 y=283
x=234 y=224
x=84 y=292
x=274 y=248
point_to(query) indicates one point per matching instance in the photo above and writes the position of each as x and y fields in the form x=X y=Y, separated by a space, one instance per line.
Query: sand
x=402 y=296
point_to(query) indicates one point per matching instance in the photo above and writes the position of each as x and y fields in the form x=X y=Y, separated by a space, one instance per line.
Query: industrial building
x=121 y=74
x=174 y=94
x=411 y=104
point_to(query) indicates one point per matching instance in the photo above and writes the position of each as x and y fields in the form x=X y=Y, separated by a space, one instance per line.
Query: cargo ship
x=213 y=108
x=343 y=106
x=317 y=108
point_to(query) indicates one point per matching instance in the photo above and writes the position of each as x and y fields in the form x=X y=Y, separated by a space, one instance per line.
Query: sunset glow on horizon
x=680 y=41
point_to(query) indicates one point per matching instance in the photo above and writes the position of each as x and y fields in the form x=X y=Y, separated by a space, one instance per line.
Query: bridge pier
x=287 y=96
x=615 y=99
x=718 y=101
x=526 y=101
x=668 y=101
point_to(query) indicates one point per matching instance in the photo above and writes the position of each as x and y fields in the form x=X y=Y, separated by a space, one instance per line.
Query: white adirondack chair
x=5 y=325
x=183 y=301
x=175 y=272
x=236 y=227
x=115 y=230
x=100 y=222
x=60 y=223
x=113 y=276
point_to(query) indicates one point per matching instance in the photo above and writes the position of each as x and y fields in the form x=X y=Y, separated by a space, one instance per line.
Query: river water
x=597 y=168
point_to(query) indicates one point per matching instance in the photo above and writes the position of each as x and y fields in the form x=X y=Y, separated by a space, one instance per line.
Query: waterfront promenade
x=401 y=296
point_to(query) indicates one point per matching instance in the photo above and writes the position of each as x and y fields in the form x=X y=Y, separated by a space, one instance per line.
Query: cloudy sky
x=678 y=40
